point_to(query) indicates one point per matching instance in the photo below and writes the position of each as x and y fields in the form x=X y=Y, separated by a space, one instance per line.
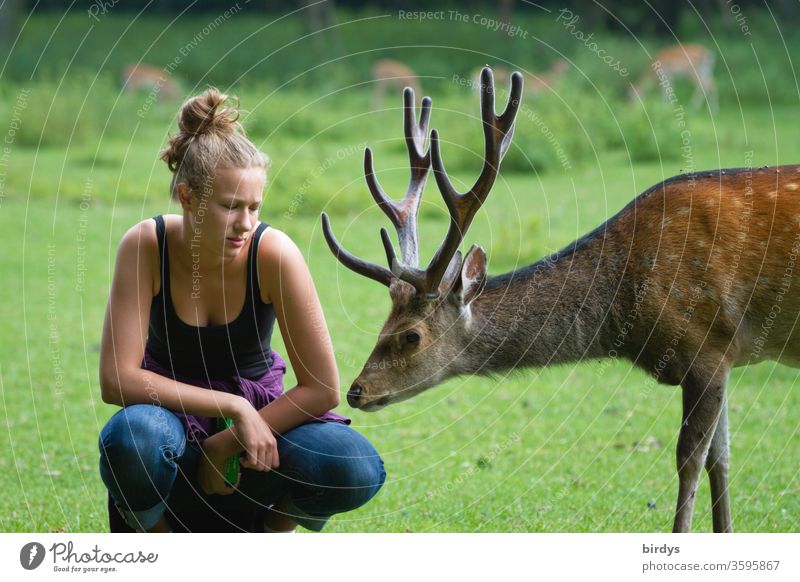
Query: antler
x=497 y=132
x=371 y=270
x=403 y=213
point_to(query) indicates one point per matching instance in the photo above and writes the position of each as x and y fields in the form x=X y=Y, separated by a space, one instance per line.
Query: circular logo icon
x=31 y=555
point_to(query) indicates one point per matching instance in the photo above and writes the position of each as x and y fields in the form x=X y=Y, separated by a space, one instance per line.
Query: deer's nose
x=353 y=395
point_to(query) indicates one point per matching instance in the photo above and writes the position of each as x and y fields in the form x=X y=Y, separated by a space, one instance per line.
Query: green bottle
x=232 y=464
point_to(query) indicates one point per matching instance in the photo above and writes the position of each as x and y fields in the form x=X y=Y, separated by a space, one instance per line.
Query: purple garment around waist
x=258 y=392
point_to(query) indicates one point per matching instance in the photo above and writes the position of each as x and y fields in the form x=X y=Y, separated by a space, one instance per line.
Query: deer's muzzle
x=354 y=395
x=357 y=398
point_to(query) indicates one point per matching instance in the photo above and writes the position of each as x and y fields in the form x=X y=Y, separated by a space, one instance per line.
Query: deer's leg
x=717 y=468
x=380 y=91
x=713 y=96
x=702 y=402
x=698 y=96
x=665 y=86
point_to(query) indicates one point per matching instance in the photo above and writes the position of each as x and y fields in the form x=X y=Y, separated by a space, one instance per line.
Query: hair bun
x=209 y=137
x=206 y=113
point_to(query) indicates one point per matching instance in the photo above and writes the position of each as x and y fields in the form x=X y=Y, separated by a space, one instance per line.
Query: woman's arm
x=305 y=333
x=122 y=379
x=124 y=382
x=283 y=273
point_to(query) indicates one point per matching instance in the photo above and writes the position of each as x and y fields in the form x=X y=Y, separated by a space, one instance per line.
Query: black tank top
x=215 y=352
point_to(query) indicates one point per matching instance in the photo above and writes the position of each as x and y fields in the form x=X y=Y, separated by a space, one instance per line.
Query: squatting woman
x=186 y=342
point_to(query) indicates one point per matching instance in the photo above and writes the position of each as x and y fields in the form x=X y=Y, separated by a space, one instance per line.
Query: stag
x=687 y=281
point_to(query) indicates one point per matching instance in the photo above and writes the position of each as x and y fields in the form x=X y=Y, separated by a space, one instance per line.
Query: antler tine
x=416 y=133
x=371 y=270
x=413 y=275
x=497 y=132
x=403 y=214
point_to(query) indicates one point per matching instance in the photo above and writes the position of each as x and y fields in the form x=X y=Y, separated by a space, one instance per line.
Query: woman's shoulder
x=141 y=236
x=138 y=249
x=276 y=246
x=278 y=256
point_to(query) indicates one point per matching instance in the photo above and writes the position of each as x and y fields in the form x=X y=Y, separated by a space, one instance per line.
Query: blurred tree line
x=655 y=18
x=296 y=84
x=326 y=45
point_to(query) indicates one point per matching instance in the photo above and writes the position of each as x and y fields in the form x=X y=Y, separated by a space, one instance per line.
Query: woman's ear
x=184 y=193
x=472 y=279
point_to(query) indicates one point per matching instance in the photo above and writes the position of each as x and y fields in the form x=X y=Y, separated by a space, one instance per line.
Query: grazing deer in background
x=390 y=73
x=693 y=62
x=687 y=281
x=141 y=77
x=534 y=84
x=539 y=82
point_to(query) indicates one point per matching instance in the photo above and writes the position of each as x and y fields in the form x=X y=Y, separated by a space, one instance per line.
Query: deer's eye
x=412 y=338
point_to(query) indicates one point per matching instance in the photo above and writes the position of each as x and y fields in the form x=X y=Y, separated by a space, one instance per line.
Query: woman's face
x=222 y=220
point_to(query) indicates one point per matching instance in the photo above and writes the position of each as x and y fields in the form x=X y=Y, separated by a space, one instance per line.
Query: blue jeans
x=148 y=466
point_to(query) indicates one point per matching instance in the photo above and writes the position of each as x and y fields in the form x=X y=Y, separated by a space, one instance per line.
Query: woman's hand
x=253 y=433
x=211 y=471
x=249 y=431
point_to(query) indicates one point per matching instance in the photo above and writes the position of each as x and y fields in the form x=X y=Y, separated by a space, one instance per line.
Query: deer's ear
x=473 y=276
x=450 y=275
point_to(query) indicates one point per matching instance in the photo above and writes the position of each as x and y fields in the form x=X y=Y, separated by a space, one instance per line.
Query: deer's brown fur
x=695 y=276
x=688 y=272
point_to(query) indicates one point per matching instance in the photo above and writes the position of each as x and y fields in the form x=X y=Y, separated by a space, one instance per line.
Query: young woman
x=186 y=342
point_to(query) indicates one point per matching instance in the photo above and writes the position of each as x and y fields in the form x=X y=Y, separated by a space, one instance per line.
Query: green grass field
x=573 y=448
x=551 y=450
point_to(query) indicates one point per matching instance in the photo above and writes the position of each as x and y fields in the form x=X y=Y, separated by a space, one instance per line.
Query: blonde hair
x=209 y=137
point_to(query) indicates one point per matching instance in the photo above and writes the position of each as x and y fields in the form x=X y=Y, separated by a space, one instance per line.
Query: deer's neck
x=554 y=311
